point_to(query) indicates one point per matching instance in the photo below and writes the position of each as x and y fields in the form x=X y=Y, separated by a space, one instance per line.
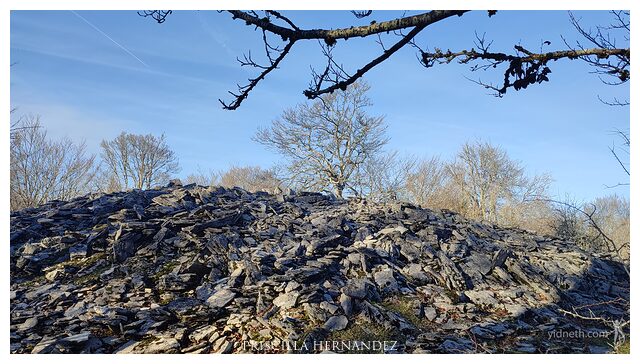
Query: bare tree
x=533 y=215
x=384 y=177
x=568 y=223
x=601 y=226
x=42 y=169
x=327 y=142
x=105 y=180
x=19 y=123
x=611 y=214
x=252 y=179
x=521 y=66
x=202 y=178
x=488 y=179
x=426 y=183
x=138 y=161
x=482 y=183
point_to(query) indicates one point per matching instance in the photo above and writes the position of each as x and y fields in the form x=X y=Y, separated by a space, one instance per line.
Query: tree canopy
x=327 y=142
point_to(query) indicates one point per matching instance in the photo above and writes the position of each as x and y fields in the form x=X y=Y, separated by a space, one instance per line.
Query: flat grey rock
x=286 y=300
x=386 y=280
x=28 y=324
x=336 y=323
x=162 y=346
x=221 y=298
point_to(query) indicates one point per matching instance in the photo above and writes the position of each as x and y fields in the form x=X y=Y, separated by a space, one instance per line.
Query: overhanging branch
x=525 y=67
x=331 y=35
x=245 y=90
x=342 y=85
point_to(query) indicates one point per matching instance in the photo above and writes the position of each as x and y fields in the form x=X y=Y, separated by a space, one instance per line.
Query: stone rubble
x=191 y=269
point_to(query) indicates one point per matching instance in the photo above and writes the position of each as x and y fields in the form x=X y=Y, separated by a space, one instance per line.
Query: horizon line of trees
x=43 y=169
x=329 y=145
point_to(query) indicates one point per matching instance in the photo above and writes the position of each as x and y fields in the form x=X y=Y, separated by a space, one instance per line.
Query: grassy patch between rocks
x=366 y=332
x=90 y=277
x=165 y=269
x=404 y=306
x=625 y=348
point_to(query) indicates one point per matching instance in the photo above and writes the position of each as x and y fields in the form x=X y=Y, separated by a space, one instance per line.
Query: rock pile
x=189 y=269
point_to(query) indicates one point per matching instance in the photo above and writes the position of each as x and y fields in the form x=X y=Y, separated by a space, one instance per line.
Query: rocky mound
x=189 y=269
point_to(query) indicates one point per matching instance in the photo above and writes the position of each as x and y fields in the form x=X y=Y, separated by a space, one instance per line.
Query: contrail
x=108 y=37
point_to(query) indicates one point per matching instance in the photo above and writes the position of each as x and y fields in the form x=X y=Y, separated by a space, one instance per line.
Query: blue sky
x=86 y=87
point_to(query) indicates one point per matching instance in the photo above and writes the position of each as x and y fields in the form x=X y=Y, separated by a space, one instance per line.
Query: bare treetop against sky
x=93 y=74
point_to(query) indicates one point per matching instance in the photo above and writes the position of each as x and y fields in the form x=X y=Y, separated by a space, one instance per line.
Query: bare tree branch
x=331 y=35
x=614 y=102
x=342 y=85
x=245 y=90
x=611 y=245
x=282 y=17
x=601 y=37
x=361 y=13
x=523 y=67
x=613 y=151
x=158 y=15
